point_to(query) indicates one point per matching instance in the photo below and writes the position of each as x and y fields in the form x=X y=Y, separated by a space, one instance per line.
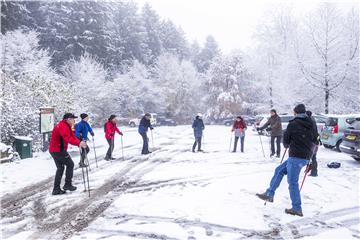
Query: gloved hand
x=232 y=130
x=268 y=129
x=92 y=134
x=258 y=129
x=121 y=134
x=151 y=128
x=83 y=144
x=308 y=168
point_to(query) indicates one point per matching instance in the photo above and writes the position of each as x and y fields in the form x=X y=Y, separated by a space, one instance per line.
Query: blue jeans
x=292 y=168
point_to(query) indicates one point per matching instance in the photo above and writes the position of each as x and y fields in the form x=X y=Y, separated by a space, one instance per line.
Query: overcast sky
x=231 y=22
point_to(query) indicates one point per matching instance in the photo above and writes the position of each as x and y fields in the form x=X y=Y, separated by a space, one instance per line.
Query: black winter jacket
x=300 y=137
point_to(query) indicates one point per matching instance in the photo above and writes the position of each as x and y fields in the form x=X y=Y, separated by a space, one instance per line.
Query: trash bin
x=23 y=146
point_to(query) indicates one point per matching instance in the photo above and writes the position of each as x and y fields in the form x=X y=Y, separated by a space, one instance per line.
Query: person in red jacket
x=62 y=136
x=239 y=128
x=110 y=130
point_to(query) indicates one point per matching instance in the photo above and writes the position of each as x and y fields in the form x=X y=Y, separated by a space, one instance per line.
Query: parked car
x=320 y=122
x=351 y=139
x=163 y=121
x=335 y=125
x=136 y=121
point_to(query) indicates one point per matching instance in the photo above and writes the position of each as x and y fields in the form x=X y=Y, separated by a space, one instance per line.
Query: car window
x=331 y=122
x=355 y=124
x=286 y=118
x=320 y=119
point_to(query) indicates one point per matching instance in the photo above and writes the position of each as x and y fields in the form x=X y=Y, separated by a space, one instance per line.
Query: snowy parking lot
x=176 y=194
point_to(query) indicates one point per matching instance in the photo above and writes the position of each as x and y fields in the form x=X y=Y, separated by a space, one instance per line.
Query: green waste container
x=23 y=146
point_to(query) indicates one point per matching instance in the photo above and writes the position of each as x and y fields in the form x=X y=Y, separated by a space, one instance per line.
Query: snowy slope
x=176 y=194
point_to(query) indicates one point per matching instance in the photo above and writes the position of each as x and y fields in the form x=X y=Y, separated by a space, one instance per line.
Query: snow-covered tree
x=231 y=88
x=331 y=54
x=28 y=83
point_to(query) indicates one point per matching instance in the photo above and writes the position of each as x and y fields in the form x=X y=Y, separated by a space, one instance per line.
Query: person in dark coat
x=274 y=124
x=145 y=124
x=314 y=164
x=82 y=130
x=110 y=130
x=198 y=126
x=239 y=128
x=300 y=138
x=62 y=135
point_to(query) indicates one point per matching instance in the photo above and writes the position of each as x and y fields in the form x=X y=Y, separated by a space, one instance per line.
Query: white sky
x=231 y=22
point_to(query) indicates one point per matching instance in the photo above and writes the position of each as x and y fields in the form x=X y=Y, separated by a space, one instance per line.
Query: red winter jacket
x=110 y=129
x=239 y=125
x=61 y=136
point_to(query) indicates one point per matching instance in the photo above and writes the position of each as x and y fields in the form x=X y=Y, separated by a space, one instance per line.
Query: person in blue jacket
x=144 y=126
x=82 y=130
x=198 y=126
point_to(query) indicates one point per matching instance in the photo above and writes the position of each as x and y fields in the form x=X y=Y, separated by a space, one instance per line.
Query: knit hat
x=69 y=115
x=112 y=116
x=83 y=115
x=300 y=108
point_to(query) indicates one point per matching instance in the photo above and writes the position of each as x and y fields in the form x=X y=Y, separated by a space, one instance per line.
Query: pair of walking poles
x=85 y=173
x=307 y=169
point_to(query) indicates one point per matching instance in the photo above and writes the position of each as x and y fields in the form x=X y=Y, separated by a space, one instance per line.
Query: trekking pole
x=82 y=169
x=307 y=170
x=122 y=147
x=87 y=172
x=262 y=147
x=230 y=142
x=93 y=140
x=152 y=139
x=282 y=159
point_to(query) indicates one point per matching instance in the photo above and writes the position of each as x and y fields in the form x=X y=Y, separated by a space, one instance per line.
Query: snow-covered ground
x=176 y=194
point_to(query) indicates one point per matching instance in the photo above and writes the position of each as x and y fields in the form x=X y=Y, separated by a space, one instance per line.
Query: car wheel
x=337 y=147
x=132 y=124
x=328 y=146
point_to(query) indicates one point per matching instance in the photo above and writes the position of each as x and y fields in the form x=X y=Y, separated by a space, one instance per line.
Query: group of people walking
x=68 y=132
x=300 y=139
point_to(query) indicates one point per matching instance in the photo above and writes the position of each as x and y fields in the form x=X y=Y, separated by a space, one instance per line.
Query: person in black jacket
x=300 y=138
x=314 y=170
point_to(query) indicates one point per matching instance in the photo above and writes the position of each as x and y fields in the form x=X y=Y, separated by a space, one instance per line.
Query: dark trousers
x=110 y=149
x=145 y=148
x=314 y=170
x=198 y=143
x=242 y=139
x=278 y=142
x=84 y=154
x=63 y=159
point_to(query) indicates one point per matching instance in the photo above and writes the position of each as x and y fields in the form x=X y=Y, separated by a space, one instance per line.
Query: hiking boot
x=293 y=212
x=58 y=192
x=278 y=156
x=112 y=158
x=272 y=155
x=200 y=150
x=107 y=159
x=265 y=197
x=313 y=175
x=82 y=164
x=193 y=150
x=233 y=151
x=69 y=187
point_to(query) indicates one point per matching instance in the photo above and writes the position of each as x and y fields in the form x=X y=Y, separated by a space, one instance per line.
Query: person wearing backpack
x=82 y=129
x=110 y=129
x=300 y=137
x=239 y=128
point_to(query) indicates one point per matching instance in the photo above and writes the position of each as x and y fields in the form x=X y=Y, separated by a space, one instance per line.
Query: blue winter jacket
x=82 y=130
x=144 y=125
x=198 y=126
